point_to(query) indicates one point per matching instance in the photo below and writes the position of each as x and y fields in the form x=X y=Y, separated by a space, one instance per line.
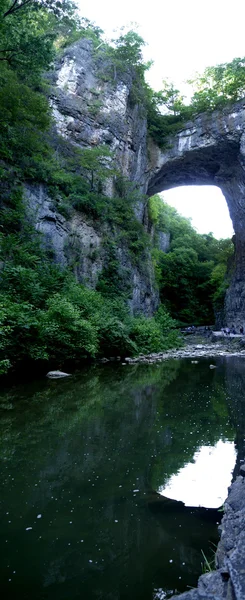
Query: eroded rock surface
x=92 y=107
x=211 y=151
x=78 y=243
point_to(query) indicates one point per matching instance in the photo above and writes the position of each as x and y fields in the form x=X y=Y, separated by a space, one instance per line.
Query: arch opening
x=193 y=270
x=206 y=207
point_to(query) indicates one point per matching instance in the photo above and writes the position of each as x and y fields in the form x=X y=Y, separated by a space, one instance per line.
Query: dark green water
x=81 y=461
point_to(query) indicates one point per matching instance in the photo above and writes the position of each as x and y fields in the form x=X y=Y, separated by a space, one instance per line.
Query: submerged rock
x=57 y=374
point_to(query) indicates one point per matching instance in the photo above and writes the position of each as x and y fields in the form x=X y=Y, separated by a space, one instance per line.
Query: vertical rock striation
x=92 y=106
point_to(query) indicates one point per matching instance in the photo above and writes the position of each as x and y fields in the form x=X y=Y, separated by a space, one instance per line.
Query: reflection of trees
x=197 y=415
x=78 y=448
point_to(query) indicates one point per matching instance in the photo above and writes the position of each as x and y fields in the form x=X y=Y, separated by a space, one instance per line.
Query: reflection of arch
x=210 y=151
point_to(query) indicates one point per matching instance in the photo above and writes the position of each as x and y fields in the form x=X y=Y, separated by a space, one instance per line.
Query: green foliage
x=128 y=49
x=114 y=337
x=218 y=86
x=149 y=335
x=125 y=55
x=220 y=282
x=164 y=320
x=45 y=315
x=193 y=274
x=76 y=181
x=97 y=164
x=24 y=119
x=27 y=31
x=123 y=60
x=114 y=279
x=81 y=28
x=67 y=335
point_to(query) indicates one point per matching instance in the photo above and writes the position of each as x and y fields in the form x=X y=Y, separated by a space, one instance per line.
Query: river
x=111 y=480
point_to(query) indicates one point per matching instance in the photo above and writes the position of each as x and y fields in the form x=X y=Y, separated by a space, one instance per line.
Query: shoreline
x=206 y=349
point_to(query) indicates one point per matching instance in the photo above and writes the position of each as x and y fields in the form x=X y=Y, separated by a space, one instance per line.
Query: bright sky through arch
x=206 y=206
x=182 y=37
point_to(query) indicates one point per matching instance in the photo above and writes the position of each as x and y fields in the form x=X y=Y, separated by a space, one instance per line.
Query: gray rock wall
x=77 y=243
x=211 y=151
x=92 y=107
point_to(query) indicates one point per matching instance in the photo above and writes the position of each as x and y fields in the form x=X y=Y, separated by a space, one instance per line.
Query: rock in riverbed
x=57 y=374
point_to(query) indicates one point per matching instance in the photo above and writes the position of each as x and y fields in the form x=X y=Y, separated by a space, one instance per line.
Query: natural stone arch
x=210 y=151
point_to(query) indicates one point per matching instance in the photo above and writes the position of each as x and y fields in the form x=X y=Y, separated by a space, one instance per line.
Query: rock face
x=78 y=244
x=211 y=151
x=93 y=106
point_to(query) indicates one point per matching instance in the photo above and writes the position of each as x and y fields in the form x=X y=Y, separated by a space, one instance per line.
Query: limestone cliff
x=90 y=109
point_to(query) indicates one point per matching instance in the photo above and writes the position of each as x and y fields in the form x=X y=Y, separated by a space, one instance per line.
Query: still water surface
x=86 y=464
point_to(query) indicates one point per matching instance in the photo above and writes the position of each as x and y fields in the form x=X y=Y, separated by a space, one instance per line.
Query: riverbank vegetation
x=45 y=314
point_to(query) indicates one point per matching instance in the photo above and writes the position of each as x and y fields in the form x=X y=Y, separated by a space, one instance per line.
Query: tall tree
x=28 y=29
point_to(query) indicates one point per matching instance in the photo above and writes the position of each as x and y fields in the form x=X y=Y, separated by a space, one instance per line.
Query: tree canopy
x=216 y=87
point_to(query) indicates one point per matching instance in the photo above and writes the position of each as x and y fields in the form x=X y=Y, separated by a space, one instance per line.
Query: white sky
x=183 y=36
x=205 y=205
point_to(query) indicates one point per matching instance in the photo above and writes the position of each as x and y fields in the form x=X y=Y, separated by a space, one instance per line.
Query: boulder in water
x=57 y=374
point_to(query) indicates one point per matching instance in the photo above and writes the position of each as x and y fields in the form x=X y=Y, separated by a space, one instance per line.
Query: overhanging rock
x=210 y=151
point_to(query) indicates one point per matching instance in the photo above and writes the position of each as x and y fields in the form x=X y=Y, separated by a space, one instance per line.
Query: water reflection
x=205 y=480
x=88 y=455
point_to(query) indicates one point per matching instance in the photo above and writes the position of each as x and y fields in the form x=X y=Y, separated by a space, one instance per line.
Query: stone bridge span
x=210 y=150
